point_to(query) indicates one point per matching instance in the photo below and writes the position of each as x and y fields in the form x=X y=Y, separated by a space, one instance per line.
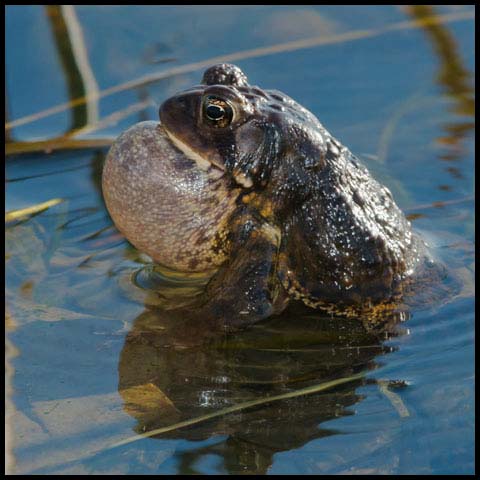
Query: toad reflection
x=167 y=376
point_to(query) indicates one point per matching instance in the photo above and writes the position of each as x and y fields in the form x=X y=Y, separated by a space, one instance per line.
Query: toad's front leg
x=246 y=289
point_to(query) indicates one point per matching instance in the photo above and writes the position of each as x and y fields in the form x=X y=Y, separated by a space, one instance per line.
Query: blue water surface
x=88 y=365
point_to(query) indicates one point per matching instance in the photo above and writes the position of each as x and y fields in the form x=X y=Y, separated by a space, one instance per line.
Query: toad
x=245 y=187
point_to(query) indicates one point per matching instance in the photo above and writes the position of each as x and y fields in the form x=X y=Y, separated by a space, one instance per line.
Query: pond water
x=94 y=361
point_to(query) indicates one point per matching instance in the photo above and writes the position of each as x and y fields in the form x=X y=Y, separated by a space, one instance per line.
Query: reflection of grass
x=242 y=55
x=112 y=119
x=394 y=398
x=26 y=212
x=416 y=102
x=242 y=406
x=68 y=141
x=442 y=203
x=60 y=143
x=69 y=44
x=453 y=77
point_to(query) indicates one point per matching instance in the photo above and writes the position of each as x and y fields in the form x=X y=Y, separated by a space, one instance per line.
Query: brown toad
x=246 y=186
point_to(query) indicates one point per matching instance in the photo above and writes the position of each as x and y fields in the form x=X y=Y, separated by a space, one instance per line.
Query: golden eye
x=217 y=112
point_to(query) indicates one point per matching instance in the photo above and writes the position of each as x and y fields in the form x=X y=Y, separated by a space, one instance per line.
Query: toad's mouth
x=210 y=165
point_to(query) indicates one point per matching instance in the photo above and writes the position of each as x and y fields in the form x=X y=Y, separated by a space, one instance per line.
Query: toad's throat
x=209 y=165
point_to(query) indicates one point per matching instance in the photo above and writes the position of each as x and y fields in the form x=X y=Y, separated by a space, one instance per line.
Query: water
x=94 y=359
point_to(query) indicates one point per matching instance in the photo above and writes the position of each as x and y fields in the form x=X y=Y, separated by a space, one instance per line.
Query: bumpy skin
x=309 y=223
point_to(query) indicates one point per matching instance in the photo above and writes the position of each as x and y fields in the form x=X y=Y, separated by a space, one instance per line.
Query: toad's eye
x=217 y=112
x=214 y=112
